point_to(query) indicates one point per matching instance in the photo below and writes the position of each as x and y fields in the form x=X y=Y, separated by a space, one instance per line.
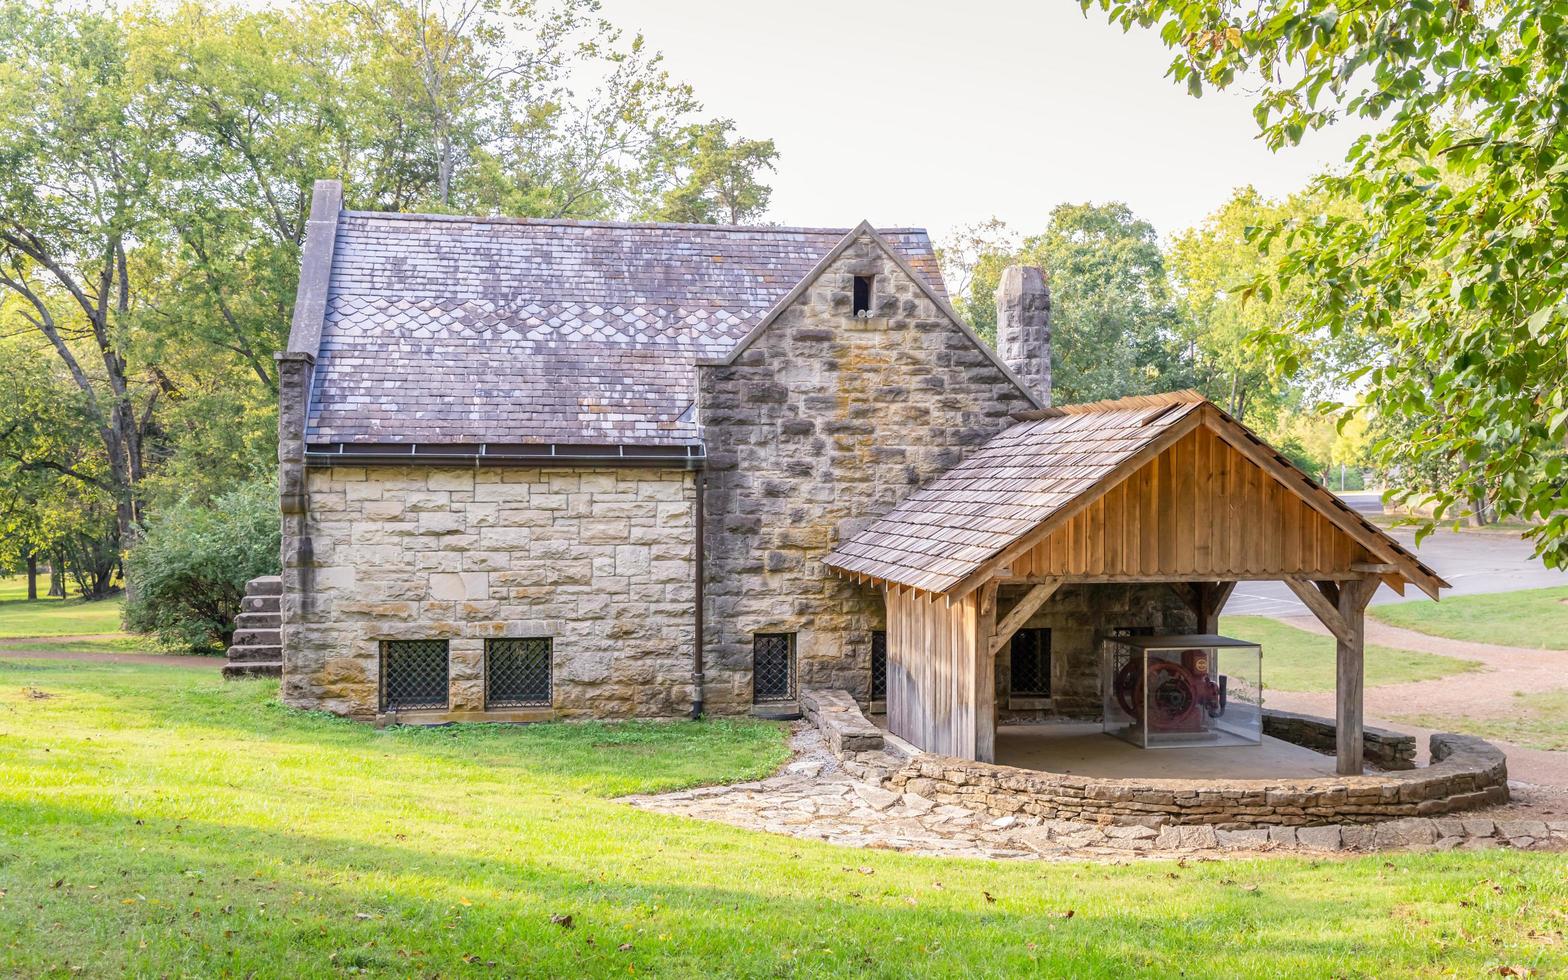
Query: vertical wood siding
x=933 y=669
x=1199 y=510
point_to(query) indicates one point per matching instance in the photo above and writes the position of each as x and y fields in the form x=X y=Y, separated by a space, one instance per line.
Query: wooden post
x=985 y=675
x=1349 y=672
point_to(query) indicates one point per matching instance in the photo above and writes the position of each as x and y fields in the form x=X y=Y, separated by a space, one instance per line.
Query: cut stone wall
x=1380 y=747
x=1079 y=616
x=1466 y=773
x=601 y=560
x=824 y=423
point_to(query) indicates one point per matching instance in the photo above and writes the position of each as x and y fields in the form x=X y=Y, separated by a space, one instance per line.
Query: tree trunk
x=56 y=576
x=32 y=576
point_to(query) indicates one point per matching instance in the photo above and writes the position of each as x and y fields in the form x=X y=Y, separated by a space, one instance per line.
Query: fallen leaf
x=1065 y=915
x=866 y=870
x=1515 y=971
x=625 y=947
x=989 y=898
x=564 y=921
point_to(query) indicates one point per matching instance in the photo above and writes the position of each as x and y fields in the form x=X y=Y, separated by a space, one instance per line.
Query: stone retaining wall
x=1380 y=747
x=1466 y=773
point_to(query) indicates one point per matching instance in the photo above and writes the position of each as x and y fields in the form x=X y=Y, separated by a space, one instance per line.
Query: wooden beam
x=1019 y=615
x=1321 y=605
x=1212 y=597
x=1374 y=567
x=1349 y=673
x=985 y=676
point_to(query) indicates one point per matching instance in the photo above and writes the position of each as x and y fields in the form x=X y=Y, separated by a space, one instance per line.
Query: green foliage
x=1449 y=250
x=1114 y=325
x=720 y=181
x=188 y=574
x=172 y=824
x=156 y=168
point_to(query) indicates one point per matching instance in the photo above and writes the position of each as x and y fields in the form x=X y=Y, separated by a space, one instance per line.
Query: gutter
x=696 y=654
x=687 y=457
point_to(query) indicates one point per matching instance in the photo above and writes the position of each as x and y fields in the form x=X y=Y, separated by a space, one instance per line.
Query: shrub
x=187 y=575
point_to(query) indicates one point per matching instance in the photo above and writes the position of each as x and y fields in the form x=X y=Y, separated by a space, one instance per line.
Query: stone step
x=256 y=655
x=261 y=603
x=257 y=638
x=231 y=671
x=258 y=620
x=265 y=585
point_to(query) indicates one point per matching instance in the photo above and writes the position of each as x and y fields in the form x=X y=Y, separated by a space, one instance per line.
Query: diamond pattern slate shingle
x=949 y=528
x=462 y=330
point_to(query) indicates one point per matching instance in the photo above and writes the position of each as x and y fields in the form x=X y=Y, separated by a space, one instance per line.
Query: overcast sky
x=942 y=113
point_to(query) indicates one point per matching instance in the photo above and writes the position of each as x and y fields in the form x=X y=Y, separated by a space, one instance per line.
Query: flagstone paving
x=812 y=798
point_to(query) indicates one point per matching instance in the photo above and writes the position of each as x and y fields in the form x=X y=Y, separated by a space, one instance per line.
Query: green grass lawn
x=159 y=822
x=1295 y=660
x=1536 y=619
x=54 y=617
x=1537 y=721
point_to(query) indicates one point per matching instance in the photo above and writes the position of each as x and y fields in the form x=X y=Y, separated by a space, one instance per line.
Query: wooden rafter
x=1324 y=607
x=1019 y=615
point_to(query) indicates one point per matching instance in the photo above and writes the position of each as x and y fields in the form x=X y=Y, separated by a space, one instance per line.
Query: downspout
x=696 y=656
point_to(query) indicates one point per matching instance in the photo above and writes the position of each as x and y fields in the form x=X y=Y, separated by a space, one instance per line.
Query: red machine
x=1180 y=694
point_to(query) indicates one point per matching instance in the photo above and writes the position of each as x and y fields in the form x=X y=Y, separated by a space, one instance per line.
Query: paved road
x=1473 y=561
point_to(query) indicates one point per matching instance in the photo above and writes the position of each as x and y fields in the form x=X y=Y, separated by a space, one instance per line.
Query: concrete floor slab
x=1084 y=750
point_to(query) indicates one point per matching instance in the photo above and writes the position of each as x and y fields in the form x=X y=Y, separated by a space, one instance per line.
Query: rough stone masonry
x=600 y=560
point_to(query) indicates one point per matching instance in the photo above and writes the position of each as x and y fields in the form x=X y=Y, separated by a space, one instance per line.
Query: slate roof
x=943 y=533
x=445 y=329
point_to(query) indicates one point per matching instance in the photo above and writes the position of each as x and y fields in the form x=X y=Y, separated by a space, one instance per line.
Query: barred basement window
x=1031 y=667
x=413 y=674
x=772 y=667
x=862 y=295
x=517 y=672
x=879 y=666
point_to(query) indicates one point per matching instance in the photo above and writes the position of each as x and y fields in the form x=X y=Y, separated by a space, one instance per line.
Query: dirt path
x=1482 y=694
x=62 y=644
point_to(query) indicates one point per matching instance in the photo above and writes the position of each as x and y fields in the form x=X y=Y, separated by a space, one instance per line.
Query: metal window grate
x=879 y=666
x=413 y=674
x=772 y=667
x=517 y=672
x=1031 y=663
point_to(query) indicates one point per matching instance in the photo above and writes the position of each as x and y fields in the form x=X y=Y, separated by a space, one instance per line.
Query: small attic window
x=862 y=305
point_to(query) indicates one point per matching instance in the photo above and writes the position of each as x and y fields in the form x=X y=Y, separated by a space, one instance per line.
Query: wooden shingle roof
x=945 y=536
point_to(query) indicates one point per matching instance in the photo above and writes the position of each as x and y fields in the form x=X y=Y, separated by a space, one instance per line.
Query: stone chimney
x=1023 y=326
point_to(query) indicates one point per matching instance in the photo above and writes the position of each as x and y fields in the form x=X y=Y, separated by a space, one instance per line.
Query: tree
x=79 y=157
x=1114 y=326
x=1451 y=252
x=156 y=169
x=718 y=178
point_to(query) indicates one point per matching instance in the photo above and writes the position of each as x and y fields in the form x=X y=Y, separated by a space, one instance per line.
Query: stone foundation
x=1379 y=746
x=1466 y=773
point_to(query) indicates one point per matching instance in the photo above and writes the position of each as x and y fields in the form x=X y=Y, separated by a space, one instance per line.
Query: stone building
x=550 y=469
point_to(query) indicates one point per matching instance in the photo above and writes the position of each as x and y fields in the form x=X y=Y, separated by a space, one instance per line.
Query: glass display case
x=1182 y=691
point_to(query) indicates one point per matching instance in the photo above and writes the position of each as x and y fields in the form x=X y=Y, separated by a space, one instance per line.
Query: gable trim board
x=865 y=229
x=949 y=509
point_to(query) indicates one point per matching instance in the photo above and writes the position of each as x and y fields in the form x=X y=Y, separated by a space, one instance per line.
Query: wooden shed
x=1164 y=488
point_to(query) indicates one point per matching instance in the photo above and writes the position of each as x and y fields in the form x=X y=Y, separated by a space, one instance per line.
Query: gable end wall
x=822 y=424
